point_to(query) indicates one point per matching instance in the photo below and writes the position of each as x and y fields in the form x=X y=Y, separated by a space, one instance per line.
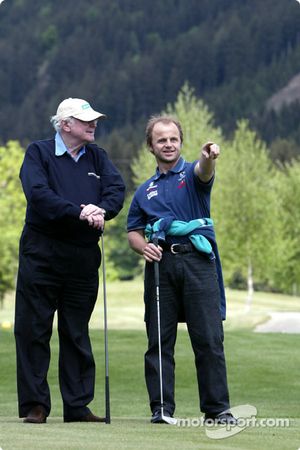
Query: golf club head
x=169 y=420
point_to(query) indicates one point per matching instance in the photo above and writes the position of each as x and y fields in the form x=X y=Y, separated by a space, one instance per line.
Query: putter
x=166 y=419
x=107 y=396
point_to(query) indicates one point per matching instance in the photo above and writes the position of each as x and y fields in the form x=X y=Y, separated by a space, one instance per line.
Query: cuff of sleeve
x=75 y=211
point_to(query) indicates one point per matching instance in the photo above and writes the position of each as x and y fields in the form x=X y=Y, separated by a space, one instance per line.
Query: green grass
x=263 y=370
x=125 y=307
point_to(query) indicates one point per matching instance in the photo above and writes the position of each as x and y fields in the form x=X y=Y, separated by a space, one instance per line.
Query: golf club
x=166 y=419
x=107 y=397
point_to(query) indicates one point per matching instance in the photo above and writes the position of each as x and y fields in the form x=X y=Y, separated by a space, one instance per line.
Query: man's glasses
x=90 y=122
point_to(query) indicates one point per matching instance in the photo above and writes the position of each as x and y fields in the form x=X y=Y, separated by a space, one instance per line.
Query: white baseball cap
x=78 y=108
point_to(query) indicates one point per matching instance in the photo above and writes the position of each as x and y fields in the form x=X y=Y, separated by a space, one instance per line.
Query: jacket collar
x=176 y=169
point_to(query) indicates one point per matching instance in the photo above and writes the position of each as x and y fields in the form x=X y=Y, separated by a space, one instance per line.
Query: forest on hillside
x=215 y=63
x=131 y=57
x=255 y=207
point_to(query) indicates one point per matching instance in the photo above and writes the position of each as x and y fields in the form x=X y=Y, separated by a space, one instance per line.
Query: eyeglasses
x=90 y=122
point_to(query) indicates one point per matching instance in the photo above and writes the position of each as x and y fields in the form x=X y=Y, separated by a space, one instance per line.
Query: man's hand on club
x=89 y=209
x=96 y=221
x=152 y=253
x=93 y=215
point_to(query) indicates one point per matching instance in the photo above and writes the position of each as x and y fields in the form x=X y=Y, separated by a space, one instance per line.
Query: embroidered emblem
x=152 y=194
x=152 y=190
x=92 y=174
x=181 y=180
x=151 y=186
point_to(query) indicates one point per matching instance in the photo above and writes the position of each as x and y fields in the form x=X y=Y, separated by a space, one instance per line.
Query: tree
x=249 y=200
x=288 y=275
x=245 y=205
x=12 y=207
x=197 y=124
x=283 y=150
x=121 y=262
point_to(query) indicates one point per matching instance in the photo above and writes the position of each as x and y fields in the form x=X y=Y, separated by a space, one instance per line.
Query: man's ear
x=150 y=150
x=65 y=126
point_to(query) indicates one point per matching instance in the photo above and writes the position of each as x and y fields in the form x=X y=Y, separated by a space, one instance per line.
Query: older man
x=71 y=187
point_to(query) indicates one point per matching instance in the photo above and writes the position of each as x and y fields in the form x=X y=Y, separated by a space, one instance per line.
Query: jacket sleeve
x=39 y=195
x=113 y=187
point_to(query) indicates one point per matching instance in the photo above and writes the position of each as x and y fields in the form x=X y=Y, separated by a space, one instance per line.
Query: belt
x=177 y=248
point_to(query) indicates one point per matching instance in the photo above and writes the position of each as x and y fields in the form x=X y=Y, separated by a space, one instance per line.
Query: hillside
x=285 y=96
x=130 y=58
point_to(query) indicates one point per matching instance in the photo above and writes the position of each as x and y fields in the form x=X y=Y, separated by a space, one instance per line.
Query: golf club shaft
x=156 y=277
x=107 y=395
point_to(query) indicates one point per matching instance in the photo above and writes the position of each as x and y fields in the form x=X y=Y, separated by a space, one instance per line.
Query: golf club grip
x=156 y=265
x=107 y=403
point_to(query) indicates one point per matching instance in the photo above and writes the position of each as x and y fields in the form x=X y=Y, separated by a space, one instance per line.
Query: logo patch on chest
x=151 y=190
x=181 y=180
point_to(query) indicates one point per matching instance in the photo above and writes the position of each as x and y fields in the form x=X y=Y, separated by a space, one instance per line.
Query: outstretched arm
x=205 y=167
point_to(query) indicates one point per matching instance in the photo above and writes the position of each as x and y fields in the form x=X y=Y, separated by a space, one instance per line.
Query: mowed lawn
x=263 y=371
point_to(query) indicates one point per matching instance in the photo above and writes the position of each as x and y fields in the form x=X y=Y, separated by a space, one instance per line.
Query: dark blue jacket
x=56 y=186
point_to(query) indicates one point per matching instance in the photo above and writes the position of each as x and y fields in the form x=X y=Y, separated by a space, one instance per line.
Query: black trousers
x=55 y=276
x=188 y=287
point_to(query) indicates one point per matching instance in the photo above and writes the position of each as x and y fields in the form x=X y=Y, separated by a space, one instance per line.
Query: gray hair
x=56 y=121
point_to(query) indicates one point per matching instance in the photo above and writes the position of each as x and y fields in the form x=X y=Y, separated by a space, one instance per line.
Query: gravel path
x=281 y=322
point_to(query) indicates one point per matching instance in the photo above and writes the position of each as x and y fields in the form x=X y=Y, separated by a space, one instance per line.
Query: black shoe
x=90 y=417
x=36 y=415
x=157 y=418
x=220 y=419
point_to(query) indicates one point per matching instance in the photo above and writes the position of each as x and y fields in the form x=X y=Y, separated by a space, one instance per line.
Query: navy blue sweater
x=56 y=186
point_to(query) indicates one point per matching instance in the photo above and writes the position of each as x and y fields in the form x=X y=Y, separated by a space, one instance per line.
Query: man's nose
x=93 y=123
